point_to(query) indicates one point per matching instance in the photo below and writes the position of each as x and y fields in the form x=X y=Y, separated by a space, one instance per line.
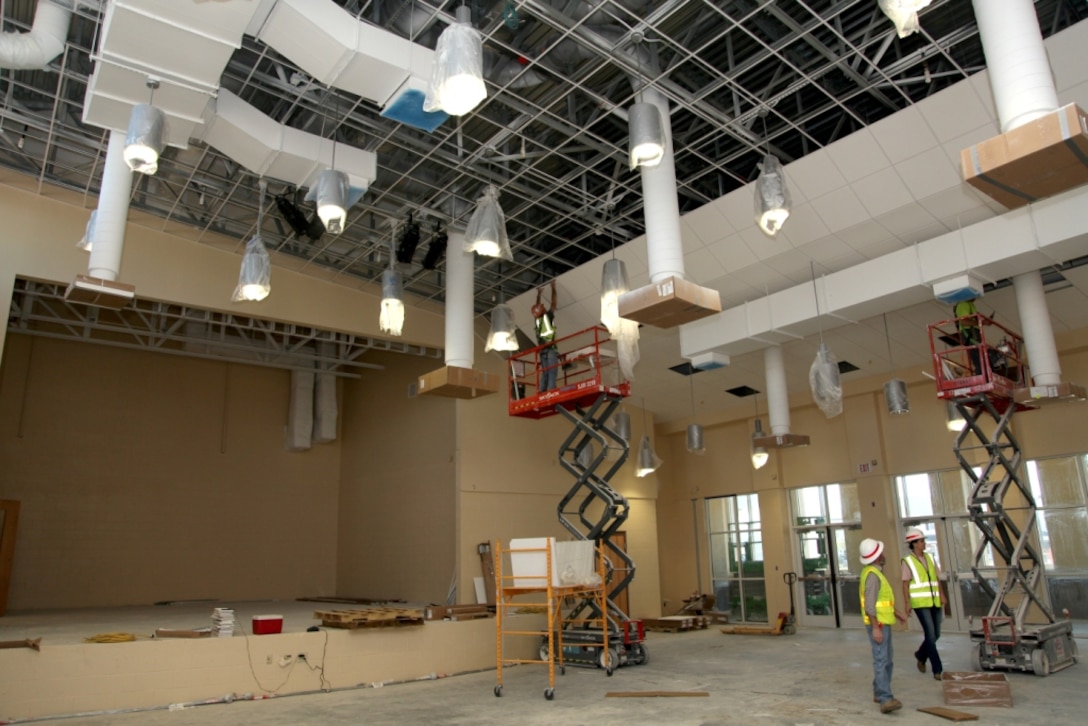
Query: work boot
x=937 y=676
x=921 y=666
x=889 y=706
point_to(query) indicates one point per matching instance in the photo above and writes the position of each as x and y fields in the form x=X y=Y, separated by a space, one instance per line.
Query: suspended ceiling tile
x=956 y=207
x=910 y=224
x=803 y=226
x=841 y=209
x=883 y=192
x=951 y=114
x=707 y=223
x=867 y=237
x=815 y=175
x=738 y=207
x=928 y=172
x=858 y=156
x=732 y=253
x=702 y=266
x=903 y=135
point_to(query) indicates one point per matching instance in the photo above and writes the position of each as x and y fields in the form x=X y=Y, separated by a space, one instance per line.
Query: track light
x=409 y=239
x=435 y=250
x=296 y=218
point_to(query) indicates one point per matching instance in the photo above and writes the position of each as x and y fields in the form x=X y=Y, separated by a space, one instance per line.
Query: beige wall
x=146 y=477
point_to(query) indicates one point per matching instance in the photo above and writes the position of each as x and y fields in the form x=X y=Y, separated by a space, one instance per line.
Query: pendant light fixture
x=956 y=421
x=772 y=200
x=330 y=191
x=895 y=390
x=695 y=443
x=904 y=14
x=457 y=84
x=625 y=332
x=486 y=232
x=647 y=461
x=503 y=335
x=144 y=139
x=391 y=318
x=646 y=135
x=759 y=453
x=255 y=277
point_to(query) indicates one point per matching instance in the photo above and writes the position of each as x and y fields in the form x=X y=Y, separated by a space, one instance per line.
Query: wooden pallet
x=370 y=618
x=676 y=623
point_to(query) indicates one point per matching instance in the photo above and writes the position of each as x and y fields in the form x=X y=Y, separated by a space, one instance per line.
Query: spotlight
x=435 y=250
x=409 y=239
x=296 y=218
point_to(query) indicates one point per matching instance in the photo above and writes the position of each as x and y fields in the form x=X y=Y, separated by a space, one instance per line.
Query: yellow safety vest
x=885 y=599
x=925 y=591
x=545 y=329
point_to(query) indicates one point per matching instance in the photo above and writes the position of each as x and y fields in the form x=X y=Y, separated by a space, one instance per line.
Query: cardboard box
x=1042 y=158
x=455 y=382
x=671 y=302
x=1037 y=395
x=267 y=624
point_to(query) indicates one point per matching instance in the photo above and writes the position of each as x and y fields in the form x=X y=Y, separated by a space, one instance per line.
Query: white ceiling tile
x=882 y=192
x=840 y=209
x=738 y=207
x=707 y=224
x=814 y=175
x=1078 y=94
x=803 y=225
x=796 y=268
x=903 y=134
x=858 y=155
x=906 y=223
x=702 y=266
x=829 y=247
x=733 y=254
x=952 y=113
x=1066 y=53
x=956 y=207
x=928 y=172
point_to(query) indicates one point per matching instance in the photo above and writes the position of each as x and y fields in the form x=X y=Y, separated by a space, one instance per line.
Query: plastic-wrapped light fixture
x=330 y=191
x=695 y=443
x=772 y=201
x=904 y=14
x=391 y=319
x=646 y=136
x=623 y=331
x=621 y=422
x=503 y=335
x=144 y=139
x=86 y=243
x=255 y=277
x=759 y=453
x=895 y=390
x=486 y=232
x=457 y=84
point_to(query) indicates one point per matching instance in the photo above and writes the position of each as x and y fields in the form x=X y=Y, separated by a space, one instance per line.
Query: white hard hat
x=914 y=534
x=870 y=550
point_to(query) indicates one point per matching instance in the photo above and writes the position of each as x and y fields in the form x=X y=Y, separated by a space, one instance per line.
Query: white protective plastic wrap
x=824 y=380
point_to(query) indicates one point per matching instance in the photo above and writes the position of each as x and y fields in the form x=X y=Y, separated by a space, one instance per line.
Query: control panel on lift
x=587 y=367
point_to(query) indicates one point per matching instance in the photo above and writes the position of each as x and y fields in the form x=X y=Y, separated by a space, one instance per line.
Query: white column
x=1036 y=329
x=778 y=401
x=1020 y=75
x=661 y=209
x=460 y=351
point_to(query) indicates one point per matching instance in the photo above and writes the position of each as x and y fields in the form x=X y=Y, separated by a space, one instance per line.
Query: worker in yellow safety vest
x=544 y=322
x=879 y=615
x=924 y=592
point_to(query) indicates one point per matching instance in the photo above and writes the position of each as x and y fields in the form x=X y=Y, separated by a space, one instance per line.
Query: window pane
x=955 y=489
x=808 y=506
x=915 y=495
x=1056 y=482
x=850 y=505
x=755 y=601
x=716 y=513
x=719 y=556
x=1063 y=541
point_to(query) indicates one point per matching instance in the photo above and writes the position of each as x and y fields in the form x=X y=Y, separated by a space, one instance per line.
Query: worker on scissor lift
x=970 y=335
x=545 y=334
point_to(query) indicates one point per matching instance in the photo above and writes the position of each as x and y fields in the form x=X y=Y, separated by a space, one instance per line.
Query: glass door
x=827 y=531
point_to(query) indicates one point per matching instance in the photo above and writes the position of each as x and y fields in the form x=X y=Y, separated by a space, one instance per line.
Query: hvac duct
x=112 y=215
x=45 y=41
x=325 y=412
x=1036 y=329
x=778 y=403
x=661 y=208
x=459 y=269
x=1020 y=75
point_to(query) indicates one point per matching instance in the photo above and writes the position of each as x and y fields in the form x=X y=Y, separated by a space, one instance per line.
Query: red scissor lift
x=589 y=389
x=980 y=380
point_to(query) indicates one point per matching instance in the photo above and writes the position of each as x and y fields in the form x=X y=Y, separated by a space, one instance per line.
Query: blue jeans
x=882 y=665
x=930 y=618
x=549 y=367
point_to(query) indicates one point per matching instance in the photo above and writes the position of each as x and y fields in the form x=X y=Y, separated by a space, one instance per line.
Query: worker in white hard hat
x=879 y=615
x=924 y=591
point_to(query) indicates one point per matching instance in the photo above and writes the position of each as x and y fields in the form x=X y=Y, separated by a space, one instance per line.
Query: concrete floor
x=815 y=677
